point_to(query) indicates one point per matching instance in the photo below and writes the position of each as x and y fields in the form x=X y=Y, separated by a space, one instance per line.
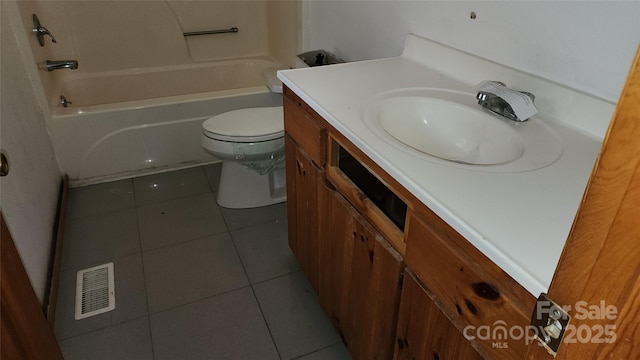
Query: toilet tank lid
x=247 y=122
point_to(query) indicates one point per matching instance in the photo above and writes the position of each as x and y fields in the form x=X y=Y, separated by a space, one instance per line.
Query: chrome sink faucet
x=492 y=100
x=61 y=64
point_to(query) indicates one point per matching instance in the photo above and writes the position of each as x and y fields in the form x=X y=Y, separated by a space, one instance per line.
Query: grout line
x=266 y=221
x=315 y=351
x=107 y=326
x=143 y=251
x=226 y=292
x=253 y=291
x=144 y=278
x=277 y=277
x=202 y=176
x=275 y=345
x=72 y=190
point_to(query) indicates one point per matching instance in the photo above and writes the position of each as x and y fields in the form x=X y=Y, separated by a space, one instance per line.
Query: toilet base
x=243 y=188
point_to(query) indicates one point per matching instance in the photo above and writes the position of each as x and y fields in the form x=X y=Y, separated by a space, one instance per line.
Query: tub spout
x=61 y=64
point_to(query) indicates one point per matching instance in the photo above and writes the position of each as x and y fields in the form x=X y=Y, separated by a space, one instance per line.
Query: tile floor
x=193 y=280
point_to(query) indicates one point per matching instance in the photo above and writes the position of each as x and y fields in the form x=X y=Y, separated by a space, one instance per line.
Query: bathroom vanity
x=420 y=257
x=365 y=242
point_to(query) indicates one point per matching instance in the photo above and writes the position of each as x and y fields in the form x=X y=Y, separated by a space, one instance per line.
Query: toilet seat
x=246 y=125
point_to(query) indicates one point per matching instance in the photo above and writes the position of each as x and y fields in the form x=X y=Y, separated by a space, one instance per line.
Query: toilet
x=250 y=143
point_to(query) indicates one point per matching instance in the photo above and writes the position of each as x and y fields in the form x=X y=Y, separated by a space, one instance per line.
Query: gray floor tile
x=241 y=218
x=131 y=299
x=333 y=352
x=91 y=240
x=177 y=184
x=126 y=341
x=228 y=326
x=179 y=220
x=192 y=270
x=294 y=316
x=212 y=173
x=100 y=199
x=264 y=251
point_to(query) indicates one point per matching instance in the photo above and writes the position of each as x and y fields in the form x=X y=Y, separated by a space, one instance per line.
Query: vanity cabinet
x=354 y=269
x=353 y=229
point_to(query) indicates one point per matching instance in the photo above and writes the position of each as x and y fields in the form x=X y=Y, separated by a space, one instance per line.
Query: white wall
x=586 y=45
x=29 y=194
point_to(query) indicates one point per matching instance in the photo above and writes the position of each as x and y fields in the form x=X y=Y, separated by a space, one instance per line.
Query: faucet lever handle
x=41 y=31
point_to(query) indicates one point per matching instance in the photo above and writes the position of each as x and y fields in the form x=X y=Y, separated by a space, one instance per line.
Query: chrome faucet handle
x=64 y=102
x=496 y=104
x=496 y=97
x=41 y=31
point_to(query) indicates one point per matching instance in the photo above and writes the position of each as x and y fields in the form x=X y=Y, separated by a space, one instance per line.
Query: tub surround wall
x=112 y=36
x=29 y=194
x=122 y=44
x=249 y=16
x=284 y=24
x=586 y=45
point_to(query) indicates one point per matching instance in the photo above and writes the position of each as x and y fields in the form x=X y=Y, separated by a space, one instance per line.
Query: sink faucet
x=494 y=100
x=61 y=64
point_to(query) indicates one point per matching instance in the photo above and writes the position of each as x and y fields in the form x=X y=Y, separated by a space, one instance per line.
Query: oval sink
x=449 y=127
x=448 y=130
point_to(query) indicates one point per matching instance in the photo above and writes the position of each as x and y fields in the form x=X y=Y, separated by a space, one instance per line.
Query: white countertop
x=518 y=220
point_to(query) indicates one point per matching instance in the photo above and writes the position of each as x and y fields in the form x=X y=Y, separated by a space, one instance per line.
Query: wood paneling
x=25 y=333
x=600 y=262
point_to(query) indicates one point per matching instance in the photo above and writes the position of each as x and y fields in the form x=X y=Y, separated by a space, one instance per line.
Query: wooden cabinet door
x=358 y=279
x=303 y=179
x=424 y=332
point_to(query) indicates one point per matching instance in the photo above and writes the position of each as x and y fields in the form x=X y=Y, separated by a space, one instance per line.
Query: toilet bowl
x=250 y=143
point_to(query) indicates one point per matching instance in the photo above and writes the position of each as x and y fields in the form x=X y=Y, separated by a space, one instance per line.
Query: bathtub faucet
x=61 y=64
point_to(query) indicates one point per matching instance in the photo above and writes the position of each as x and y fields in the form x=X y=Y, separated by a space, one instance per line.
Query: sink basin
x=447 y=129
x=450 y=127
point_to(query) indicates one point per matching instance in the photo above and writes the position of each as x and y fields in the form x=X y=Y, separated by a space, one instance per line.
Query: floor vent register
x=95 y=291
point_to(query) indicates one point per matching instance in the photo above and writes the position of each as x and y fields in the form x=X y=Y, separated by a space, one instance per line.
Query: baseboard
x=51 y=299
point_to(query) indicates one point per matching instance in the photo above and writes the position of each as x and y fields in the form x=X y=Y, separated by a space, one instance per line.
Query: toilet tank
x=317 y=58
x=307 y=59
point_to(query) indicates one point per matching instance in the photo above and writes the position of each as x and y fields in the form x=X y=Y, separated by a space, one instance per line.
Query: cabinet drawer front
x=307 y=132
x=484 y=303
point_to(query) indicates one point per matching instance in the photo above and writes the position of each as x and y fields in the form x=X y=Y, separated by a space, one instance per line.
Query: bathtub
x=143 y=121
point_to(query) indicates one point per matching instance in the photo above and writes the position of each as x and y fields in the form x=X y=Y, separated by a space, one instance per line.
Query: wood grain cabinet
x=355 y=271
x=352 y=243
x=359 y=286
x=424 y=331
x=486 y=305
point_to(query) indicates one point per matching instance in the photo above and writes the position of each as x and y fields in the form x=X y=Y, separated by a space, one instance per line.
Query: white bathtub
x=127 y=124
